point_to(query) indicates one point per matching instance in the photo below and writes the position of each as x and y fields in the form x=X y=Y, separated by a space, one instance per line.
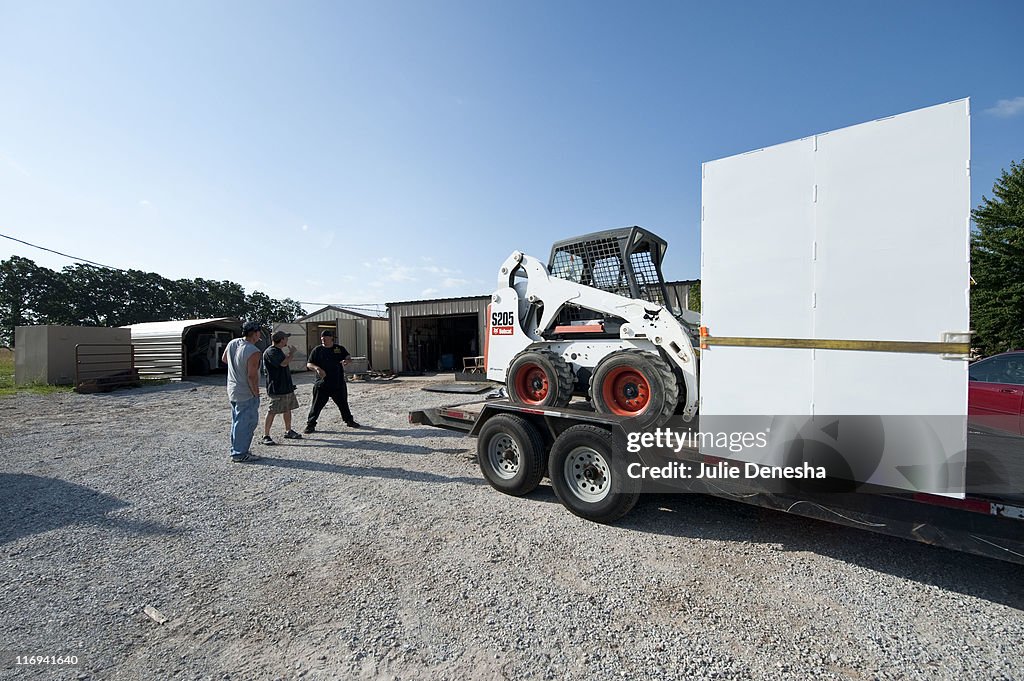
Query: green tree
x=96 y=295
x=20 y=280
x=87 y=295
x=997 y=265
x=695 y=296
x=262 y=308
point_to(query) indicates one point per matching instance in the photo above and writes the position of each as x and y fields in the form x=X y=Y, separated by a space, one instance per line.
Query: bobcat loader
x=596 y=322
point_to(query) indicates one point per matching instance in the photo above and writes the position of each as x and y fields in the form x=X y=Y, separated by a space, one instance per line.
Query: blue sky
x=367 y=152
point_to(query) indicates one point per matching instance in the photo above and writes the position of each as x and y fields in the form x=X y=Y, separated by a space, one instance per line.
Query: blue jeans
x=245 y=416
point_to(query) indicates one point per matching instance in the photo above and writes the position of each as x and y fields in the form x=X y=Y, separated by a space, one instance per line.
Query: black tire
x=539 y=378
x=637 y=384
x=511 y=455
x=587 y=476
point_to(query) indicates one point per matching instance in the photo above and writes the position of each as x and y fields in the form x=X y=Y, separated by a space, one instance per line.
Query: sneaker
x=244 y=458
x=309 y=429
x=292 y=435
x=352 y=424
x=267 y=440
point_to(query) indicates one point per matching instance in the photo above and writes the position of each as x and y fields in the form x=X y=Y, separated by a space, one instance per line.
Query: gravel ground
x=381 y=553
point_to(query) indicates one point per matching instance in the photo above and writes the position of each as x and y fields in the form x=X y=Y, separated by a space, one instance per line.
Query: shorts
x=279 y=404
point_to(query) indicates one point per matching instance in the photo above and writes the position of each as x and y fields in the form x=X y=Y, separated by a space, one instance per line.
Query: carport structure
x=177 y=349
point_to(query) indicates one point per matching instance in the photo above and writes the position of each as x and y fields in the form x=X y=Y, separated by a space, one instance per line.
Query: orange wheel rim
x=625 y=391
x=532 y=384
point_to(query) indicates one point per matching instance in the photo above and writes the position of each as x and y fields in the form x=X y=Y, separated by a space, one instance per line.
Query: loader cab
x=626 y=262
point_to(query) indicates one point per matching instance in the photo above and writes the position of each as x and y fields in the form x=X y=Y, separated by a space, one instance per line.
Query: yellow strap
x=937 y=348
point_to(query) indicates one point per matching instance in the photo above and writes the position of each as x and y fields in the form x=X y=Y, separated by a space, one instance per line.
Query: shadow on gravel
x=417 y=432
x=30 y=504
x=543 y=493
x=364 y=471
x=390 y=447
x=703 y=517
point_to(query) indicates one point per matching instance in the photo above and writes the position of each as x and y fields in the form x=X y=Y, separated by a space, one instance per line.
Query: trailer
x=830 y=377
x=581 y=453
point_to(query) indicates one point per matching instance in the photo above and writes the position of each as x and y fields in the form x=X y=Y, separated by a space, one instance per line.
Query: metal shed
x=362 y=335
x=435 y=335
x=177 y=349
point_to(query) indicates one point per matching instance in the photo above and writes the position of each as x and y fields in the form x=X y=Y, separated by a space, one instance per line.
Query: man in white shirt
x=243 y=360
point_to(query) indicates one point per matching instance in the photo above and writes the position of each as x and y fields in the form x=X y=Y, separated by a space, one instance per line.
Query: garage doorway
x=439 y=343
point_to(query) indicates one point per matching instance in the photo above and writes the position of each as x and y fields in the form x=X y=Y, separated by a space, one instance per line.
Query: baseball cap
x=327 y=332
x=250 y=327
x=279 y=336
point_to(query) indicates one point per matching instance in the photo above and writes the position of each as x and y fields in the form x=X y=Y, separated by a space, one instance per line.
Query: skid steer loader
x=595 y=321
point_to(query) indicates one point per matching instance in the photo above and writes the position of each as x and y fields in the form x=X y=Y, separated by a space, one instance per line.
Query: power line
x=50 y=250
x=374 y=307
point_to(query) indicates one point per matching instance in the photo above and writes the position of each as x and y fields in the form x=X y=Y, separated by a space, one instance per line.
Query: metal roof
x=179 y=327
x=437 y=300
x=324 y=314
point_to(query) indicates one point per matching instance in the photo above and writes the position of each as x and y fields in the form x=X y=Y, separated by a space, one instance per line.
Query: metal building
x=435 y=335
x=362 y=335
x=177 y=349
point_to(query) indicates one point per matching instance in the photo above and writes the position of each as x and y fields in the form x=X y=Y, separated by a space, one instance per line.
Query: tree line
x=86 y=295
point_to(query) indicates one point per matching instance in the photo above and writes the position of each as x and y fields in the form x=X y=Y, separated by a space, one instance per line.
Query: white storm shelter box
x=860 y=234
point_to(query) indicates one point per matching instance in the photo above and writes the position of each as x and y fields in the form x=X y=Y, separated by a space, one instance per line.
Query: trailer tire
x=635 y=383
x=587 y=476
x=540 y=378
x=511 y=455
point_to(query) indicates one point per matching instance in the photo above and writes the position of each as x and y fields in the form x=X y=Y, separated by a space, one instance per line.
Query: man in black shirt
x=328 y=361
x=280 y=386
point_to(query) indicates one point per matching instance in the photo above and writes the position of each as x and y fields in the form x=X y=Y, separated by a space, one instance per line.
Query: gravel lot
x=381 y=553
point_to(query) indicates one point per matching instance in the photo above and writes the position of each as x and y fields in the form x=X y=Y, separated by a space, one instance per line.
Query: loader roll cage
x=625 y=261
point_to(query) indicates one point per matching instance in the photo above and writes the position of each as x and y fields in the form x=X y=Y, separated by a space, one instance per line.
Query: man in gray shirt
x=243 y=360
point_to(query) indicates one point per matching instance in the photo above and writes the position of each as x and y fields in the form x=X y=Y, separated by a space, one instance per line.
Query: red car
x=995 y=393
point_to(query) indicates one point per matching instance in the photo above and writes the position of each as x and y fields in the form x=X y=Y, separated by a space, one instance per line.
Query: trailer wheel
x=635 y=383
x=588 y=478
x=540 y=378
x=510 y=452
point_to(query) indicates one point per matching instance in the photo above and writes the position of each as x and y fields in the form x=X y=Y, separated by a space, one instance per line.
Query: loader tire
x=637 y=384
x=540 y=378
x=589 y=476
x=511 y=454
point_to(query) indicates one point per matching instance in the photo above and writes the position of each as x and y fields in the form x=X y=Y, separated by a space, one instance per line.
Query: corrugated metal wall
x=159 y=356
x=432 y=308
x=352 y=333
x=380 y=345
